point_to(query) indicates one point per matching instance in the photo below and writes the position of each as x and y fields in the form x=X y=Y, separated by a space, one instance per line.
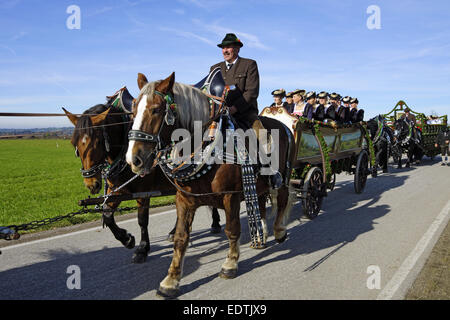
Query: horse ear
x=167 y=84
x=96 y=120
x=141 y=80
x=73 y=118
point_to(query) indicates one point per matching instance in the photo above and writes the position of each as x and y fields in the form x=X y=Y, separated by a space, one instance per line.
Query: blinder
x=169 y=119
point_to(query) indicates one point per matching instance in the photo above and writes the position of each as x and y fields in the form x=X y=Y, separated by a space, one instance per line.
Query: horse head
x=401 y=129
x=90 y=145
x=153 y=109
x=373 y=126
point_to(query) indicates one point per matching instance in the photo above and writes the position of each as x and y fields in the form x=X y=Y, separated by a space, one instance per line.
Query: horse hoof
x=168 y=293
x=258 y=246
x=228 y=273
x=130 y=243
x=282 y=239
x=139 y=258
x=140 y=255
x=216 y=230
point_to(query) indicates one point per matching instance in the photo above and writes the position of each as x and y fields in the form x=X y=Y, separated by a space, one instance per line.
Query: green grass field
x=41 y=179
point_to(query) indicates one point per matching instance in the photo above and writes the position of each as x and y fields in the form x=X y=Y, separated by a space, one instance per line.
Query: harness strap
x=138 y=135
x=92 y=171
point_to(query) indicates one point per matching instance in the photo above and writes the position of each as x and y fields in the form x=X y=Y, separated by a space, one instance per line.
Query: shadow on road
x=109 y=273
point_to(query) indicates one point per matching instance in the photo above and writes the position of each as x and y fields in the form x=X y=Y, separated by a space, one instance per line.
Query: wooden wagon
x=322 y=151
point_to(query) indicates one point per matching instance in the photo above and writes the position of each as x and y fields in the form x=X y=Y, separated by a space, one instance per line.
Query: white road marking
x=78 y=232
x=394 y=288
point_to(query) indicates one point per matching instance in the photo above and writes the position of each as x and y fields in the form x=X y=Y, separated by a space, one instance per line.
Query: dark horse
x=101 y=139
x=404 y=140
x=382 y=137
x=220 y=187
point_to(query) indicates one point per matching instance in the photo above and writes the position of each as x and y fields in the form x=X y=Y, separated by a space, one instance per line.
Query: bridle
x=103 y=167
x=95 y=169
x=169 y=119
x=404 y=134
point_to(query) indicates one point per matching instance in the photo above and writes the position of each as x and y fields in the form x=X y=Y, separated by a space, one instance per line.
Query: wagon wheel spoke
x=313 y=193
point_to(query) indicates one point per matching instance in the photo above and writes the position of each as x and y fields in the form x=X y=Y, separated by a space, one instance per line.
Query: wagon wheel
x=332 y=182
x=361 y=172
x=313 y=193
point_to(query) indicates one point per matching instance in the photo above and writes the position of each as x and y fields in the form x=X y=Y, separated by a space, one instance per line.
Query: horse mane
x=192 y=104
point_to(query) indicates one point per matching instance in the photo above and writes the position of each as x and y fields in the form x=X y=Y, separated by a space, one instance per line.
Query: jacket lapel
x=231 y=73
x=223 y=69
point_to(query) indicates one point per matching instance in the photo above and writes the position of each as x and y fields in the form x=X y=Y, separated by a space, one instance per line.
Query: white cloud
x=187 y=35
x=250 y=40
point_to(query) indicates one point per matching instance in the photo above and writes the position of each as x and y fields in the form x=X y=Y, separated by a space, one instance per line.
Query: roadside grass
x=41 y=179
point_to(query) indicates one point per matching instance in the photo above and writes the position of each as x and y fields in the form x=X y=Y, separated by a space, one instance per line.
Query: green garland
x=305 y=171
x=371 y=148
x=325 y=151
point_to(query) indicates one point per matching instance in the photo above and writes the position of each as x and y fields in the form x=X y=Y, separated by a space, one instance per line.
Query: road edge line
x=404 y=277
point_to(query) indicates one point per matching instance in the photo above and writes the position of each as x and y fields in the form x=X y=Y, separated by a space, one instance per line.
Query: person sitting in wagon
x=433 y=119
x=443 y=142
x=355 y=114
x=278 y=96
x=331 y=107
x=299 y=103
x=310 y=106
x=289 y=102
x=411 y=120
x=343 y=113
x=322 y=99
x=409 y=116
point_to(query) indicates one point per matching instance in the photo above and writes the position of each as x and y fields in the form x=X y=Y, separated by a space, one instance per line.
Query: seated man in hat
x=299 y=104
x=411 y=120
x=355 y=114
x=278 y=96
x=289 y=102
x=243 y=73
x=310 y=106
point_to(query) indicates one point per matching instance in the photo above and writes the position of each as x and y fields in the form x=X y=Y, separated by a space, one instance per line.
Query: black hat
x=230 y=39
x=334 y=96
x=346 y=99
x=310 y=95
x=289 y=94
x=354 y=100
x=279 y=92
x=322 y=95
x=300 y=92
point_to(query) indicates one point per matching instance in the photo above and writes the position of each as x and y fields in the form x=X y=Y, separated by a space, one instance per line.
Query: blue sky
x=313 y=45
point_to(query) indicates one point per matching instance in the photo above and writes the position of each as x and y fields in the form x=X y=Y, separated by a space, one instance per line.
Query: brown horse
x=100 y=139
x=220 y=187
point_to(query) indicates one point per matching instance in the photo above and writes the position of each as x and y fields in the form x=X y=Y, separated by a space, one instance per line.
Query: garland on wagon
x=325 y=151
x=371 y=147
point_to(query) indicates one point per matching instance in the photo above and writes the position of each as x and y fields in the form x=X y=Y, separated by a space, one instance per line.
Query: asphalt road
x=366 y=246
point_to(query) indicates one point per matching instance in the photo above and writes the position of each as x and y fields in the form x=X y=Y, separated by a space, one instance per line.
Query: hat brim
x=230 y=43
